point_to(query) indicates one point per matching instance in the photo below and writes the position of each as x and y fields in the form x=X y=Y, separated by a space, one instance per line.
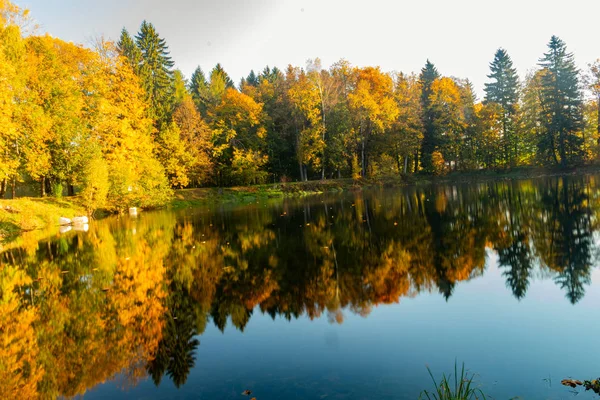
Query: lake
x=334 y=296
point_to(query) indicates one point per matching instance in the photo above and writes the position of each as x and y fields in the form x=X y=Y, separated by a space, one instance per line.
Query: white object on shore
x=133 y=211
x=81 y=227
x=80 y=220
x=64 y=221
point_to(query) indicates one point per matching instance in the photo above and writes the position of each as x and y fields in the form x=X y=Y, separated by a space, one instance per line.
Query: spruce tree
x=430 y=140
x=199 y=89
x=127 y=48
x=252 y=79
x=218 y=70
x=156 y=71
x=562 y=105
x=503 y=90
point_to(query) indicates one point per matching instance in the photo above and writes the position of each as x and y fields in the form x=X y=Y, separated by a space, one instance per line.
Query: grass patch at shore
x=184 y=198
x=33 y=214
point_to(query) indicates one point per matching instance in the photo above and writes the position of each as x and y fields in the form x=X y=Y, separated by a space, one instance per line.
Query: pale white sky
x=459 y=36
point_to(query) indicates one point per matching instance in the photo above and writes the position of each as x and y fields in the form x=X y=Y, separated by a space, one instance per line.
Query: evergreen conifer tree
x=503 y=90
x=562 y=105
x=430 y=140
x=156 y=71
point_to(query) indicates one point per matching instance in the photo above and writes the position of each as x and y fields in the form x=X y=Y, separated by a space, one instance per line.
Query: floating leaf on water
x=246 y=392
x=571 y=382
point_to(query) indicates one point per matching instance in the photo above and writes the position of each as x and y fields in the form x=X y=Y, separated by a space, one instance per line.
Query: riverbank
x=40 y=215
x=28 y=214
x=184 y=198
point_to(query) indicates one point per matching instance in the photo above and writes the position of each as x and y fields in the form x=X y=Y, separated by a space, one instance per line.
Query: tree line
x=124 y=127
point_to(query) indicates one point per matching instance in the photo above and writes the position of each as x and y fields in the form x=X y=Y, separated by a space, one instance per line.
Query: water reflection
x=132 y=296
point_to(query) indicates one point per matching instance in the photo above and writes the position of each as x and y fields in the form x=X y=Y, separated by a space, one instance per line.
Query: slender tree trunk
x=305 y=174
x=362 y=156
x=71 y=190
x=14 y=188
x=598 y=126
x=339 y=174
x=562 y=148
x=43 y=186
x=405 y=164
x=2 y=188
x=398 y=165
x=416 y=161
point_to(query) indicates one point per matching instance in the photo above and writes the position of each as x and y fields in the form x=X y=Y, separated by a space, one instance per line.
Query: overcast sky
x=459 y=37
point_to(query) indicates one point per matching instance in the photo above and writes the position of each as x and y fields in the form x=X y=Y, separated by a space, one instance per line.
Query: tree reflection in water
x=132 y=296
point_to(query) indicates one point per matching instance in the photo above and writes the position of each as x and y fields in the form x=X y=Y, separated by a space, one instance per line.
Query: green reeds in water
x=463 y=387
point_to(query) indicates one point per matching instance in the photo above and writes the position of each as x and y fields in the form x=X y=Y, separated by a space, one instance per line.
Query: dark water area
x=342 y=296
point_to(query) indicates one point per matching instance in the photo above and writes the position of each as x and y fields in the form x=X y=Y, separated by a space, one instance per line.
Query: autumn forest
x=118 y=124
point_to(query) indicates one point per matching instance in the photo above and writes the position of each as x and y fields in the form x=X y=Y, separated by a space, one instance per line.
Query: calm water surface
x=331 y=297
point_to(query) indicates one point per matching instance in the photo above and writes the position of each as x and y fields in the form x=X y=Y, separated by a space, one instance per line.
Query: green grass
x=39 y=215
x=462 y=389
x=185 y=198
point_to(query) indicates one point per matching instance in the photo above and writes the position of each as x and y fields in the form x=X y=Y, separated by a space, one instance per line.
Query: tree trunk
x=2 y=188
x=305 y=174
x=405 y=164
x=14 y=188
x=362 y=157
x=71 y=190
x=598 y=127
x=339 y=174
x=49 y=188
x=43 y=187
x=562 y=148
x=416 y=162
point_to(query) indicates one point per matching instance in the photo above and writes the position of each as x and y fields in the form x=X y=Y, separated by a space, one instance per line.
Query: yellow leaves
x=238 y=107
x=19 y=372
x=445 y=93
x=11 y=14
x=247 y=166
x=373 y=99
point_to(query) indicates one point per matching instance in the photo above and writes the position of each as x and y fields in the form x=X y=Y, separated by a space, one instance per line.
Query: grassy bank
x=39 y=215
x=249 y=194
x=184 y=198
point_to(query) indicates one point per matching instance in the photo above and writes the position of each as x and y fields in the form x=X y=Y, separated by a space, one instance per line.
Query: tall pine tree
x=198 y=89
x=128 y=49
x=252 y=79
x=562 y=105
x=430 y=140
x=503 y=90
x=156 y=71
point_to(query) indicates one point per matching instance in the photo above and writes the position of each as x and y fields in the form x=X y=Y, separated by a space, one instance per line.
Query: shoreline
x=186 y=198
x=39 y=216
